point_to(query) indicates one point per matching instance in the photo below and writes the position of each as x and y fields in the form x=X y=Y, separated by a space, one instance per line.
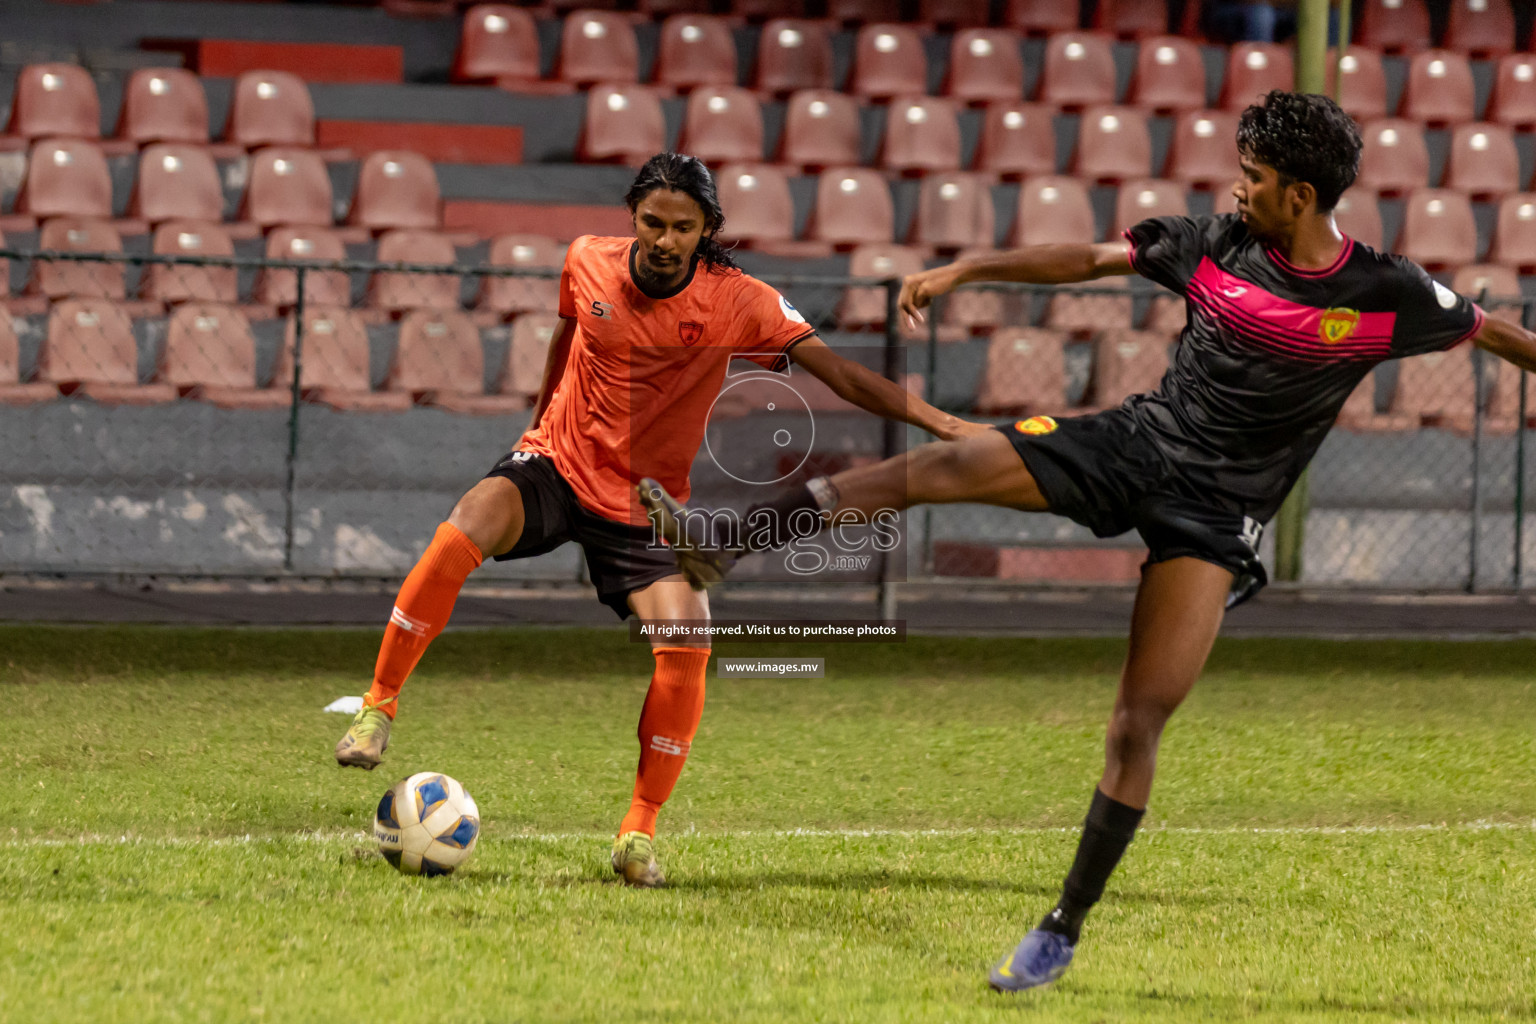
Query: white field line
x=796 y=833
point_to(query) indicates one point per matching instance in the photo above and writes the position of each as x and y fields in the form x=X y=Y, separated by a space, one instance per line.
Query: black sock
x=1107 y=831
x=793 y=515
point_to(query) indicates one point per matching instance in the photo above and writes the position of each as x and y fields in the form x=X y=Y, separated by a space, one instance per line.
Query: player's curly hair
x=1305 y=137
x=688 y=175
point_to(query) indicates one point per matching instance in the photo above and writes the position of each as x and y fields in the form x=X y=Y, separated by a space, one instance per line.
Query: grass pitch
x=1341 y=832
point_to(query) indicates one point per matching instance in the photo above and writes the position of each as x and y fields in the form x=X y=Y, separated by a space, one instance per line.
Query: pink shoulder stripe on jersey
x=1332 y=268
x=1294 y=318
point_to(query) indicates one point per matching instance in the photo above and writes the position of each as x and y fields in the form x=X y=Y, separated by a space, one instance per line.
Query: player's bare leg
x=668 y=722
x=1179 y=608
x=488 y=520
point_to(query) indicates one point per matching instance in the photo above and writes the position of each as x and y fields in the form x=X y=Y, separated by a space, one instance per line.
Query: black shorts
x=1104 y=472
x=620 y=557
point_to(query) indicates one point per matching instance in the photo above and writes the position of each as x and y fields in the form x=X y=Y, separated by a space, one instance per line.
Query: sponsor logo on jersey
x=602 y=310
x=790 y=312
x=690 y=331
x=1337 y=324
x=1036 y=425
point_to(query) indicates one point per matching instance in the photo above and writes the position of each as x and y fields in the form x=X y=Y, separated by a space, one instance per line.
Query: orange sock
x=673 y=706
x=421 y=611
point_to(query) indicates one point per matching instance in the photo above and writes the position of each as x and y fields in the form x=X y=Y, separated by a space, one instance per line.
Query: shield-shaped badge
x=690 y=331
x=1337 y=324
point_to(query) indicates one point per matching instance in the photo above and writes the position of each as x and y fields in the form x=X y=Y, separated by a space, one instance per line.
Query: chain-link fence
x=198 y=413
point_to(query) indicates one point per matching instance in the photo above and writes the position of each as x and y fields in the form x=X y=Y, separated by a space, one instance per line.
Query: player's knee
x=491 y=521
x=1135 y=729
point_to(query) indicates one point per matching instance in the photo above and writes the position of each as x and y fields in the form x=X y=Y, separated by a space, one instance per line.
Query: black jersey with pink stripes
x=1271 y=351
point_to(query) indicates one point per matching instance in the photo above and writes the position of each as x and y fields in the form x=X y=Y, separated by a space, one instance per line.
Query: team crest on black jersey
x=690 y=331
x=1338 y=324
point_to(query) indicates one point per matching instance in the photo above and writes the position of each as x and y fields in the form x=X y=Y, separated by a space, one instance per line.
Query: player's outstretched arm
x=1033 y=264
x=869 y=391
x=1510 y=342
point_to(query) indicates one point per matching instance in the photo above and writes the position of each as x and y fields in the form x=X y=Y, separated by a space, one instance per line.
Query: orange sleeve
x=767 y=326
x=567 y=296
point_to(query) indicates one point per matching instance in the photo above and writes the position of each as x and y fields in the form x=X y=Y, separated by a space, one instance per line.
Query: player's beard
x=658 y=277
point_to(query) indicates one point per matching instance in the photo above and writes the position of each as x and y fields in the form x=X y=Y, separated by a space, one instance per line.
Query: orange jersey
x=644 y=372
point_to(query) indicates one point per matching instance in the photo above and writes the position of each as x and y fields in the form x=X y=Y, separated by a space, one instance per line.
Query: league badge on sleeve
x=790 y=312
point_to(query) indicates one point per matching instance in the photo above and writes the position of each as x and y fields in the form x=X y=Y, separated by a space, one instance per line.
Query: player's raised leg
x=1178 y=612
x=668 y=721
x=488 y=520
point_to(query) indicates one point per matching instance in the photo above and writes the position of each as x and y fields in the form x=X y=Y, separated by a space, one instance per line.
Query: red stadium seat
x=1359 y=413
x=271 y=108
x=763 y=10
x=164 y=105
x=888 y=60
x=1487 y=284
x=1364 y=96
x=1437 y=389
x=821 y=129
x=89 y=350
x=1041 y=17
x=1087 y=314
x=1514 y=91
x=1514 y=233
x=286 y=186
x=985 y=64
x=1017 y=140
x=1168 y=316
x=440 y=362
x=598 y=46
x=863 y=11
x=656 y=9
x=954 y=14
x=396 y=291
x=1026 y=373
x=335 y=365
x=12 y=392
x=1253 y=70
x=1170 y=75
x=1359 y=217
x=853 y=206
x=1481 y=28
x=177 y=181
x=1127 y=363
x=505 y=296
x=497 y=43
x=954 y=211
x=1079 y=70
x=866 y=307
x=1139 y=200
x=1113 y=144
x=1131 y=19
x=757 y=205
x=1053 y=210
x=210 y=354
x=694 y=50
x=57 y=279
x=1394 y=158
x=624 y=125
x=978 y=311
x=1438 y=229
x=1203 y=153
x=56 y=100
x=277 y=287
x=1483 y=160
x=1439 y=89
x=522 y=374
x=66 y=178
x=723 y=125
x=396 y=189
x=1394 y=26
x=792 y=55
x=922 y=135
x=172 y=283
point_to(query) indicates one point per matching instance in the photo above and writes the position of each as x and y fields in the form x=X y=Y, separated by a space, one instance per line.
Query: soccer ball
x=427 y=824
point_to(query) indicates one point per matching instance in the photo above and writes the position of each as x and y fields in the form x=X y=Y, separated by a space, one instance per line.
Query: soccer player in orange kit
x=648 y=326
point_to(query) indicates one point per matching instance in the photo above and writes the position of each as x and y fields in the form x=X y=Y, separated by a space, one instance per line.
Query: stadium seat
x=1438 y=229
x=757 y=205
x=694 y=50
x=979 y=311
x=624 y=125
x=440 y=362
x=286 y=186
x=1127 y=363
x=62 y=278
x=985 y=64
x=498 y=43
x=1358 y=216
x=279 y=287
x=723 y=124
x=1017 y=140
x=1436 y=388
x=506 y=296
x=1088 y=314
x=1139 y=200
x=1439 y=89
x=1359 y=413
x=1131 y=19
x=55 y=100
x=888 y=60
x=922 y=135
x=1483 y=160
x=1364 y=95
x=396 y=291
x=598 y=46
x=66 y=178
x=1167 y=316
x=1514 y=232
x=863 y=12
x=954 y=211
x=164 y=105
x=1394 y=158
x=954 y=14
x=271 y=108
x=1079 y=70
x=1041 y=17
x=522 y=373
x=1394 y=26
x=1253 y=69
x=173 y=283
x=1113 y=144
x=1026 y=373
x=334 y=369
x=793 y=54
x=657 y=9
x=210 y=354
x=1513 y=101
x=1203 y=153
x=1480 y=28
x=764 y=10
x=1498 y=282
x=89 y=350
x=821 y=129
x=1053 y=210
x=396 y=189
x=866 y=307
x=853 y=206
x=12 y=391
x=177 y=181
x=1170 y=76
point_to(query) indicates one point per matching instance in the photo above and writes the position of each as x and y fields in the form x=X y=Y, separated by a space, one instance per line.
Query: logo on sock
x=407 y=623
x=663 y=745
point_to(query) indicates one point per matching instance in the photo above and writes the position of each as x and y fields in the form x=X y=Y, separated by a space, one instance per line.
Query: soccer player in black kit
x=1285 y=316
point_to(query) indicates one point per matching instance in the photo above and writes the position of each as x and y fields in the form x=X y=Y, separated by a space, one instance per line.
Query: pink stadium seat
x=177 y=181
x=1364 y=96
x=65 y=278
x=164 y=105
x=1394 y=26
x=210 y=354
x=1170 y=75
x=624 y=125
x=1017 y=140
x=1439 y=88
x=1079 y=70
x=821 y=129
x=1438 y=229
x=1131 y=19
x=280 y=288
x=396 y=189
x=505 y=296
x=1113 y=144
x=522 y=373
x=1436 y=388
x=1498 y=282
x=866 y=307
x=1359 y=413
x=954 y=14
x=497 y=43
x=286 y=186
x=1053 y=210
x=1395 y=158
x=723 y=124
x=657 y=9
x=1026 y=373
x=860 y=12
x=1514 y=233
x=1139 y=200
x=922 y=135
x=1483 y=160
x=976 y=311
x=172 y=283
x=1358 y=216
x=89 y=350
x=1481 y=28
x=1041 y=17
x=271 y=108
x=1203 y=153
x=985 y=64
x=1513 y=101
x=888 y=60
x=954 y=211
x=396 y=291
x=335 y=364
x=55 y=100
x=757 y=205
x=12 y=391
x=1167 y=316
x=1127 y=363
x=853 y=206
x=66 y=178
x=793 y=54
x=694 y=50
x=598 y=46
x=1086 y=314
x=1253 y=70
x=440 y=362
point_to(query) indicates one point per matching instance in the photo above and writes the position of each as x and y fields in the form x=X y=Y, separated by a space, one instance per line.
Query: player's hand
x=954 y=428
x=920 y=289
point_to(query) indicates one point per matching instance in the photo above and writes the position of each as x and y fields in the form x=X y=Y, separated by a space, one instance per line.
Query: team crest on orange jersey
x=1337 y=324
x=1036 y=425
x=690 y=331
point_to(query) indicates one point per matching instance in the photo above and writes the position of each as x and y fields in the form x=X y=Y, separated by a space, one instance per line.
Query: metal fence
x=217 y=415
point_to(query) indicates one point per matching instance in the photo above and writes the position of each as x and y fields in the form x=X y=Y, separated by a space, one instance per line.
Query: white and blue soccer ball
x=427 y=824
